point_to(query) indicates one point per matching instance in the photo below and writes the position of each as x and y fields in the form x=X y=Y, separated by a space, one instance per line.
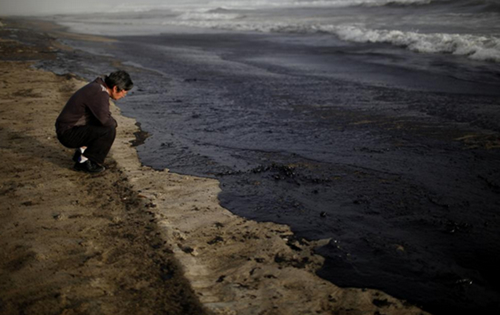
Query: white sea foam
x=475 y=47
x=209 y=16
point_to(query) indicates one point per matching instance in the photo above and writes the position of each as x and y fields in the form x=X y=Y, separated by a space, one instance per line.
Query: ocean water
x=459 y=27
x=372 y=123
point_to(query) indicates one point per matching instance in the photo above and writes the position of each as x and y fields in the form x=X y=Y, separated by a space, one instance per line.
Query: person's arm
x=99 y=107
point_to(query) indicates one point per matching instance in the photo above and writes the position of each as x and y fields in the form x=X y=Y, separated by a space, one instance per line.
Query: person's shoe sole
x=83 y=167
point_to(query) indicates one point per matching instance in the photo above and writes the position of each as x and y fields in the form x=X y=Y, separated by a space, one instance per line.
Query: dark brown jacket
x=88 y=106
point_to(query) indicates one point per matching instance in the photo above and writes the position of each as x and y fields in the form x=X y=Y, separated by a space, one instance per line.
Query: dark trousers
x=97 y=139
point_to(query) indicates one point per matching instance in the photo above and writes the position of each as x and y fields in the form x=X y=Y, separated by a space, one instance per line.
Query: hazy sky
x=36 y=7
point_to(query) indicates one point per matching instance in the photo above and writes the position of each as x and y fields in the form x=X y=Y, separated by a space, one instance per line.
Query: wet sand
x=134 y=240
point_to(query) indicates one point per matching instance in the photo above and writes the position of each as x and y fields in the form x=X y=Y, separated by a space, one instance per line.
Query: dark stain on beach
x=140 y=136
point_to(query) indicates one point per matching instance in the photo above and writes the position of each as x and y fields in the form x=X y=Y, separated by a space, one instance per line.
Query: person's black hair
x=120 y=79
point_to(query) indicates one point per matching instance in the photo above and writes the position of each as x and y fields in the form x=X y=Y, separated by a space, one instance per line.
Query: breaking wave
x=486 y=48
x=211 y=15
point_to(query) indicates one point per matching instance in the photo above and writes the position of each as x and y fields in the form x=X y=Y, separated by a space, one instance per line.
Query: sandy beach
x=133 y=240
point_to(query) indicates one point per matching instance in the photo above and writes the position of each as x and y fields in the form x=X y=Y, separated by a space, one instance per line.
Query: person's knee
x=109 y=129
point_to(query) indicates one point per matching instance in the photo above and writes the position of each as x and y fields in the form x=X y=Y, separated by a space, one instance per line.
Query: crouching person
x=86 y=124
